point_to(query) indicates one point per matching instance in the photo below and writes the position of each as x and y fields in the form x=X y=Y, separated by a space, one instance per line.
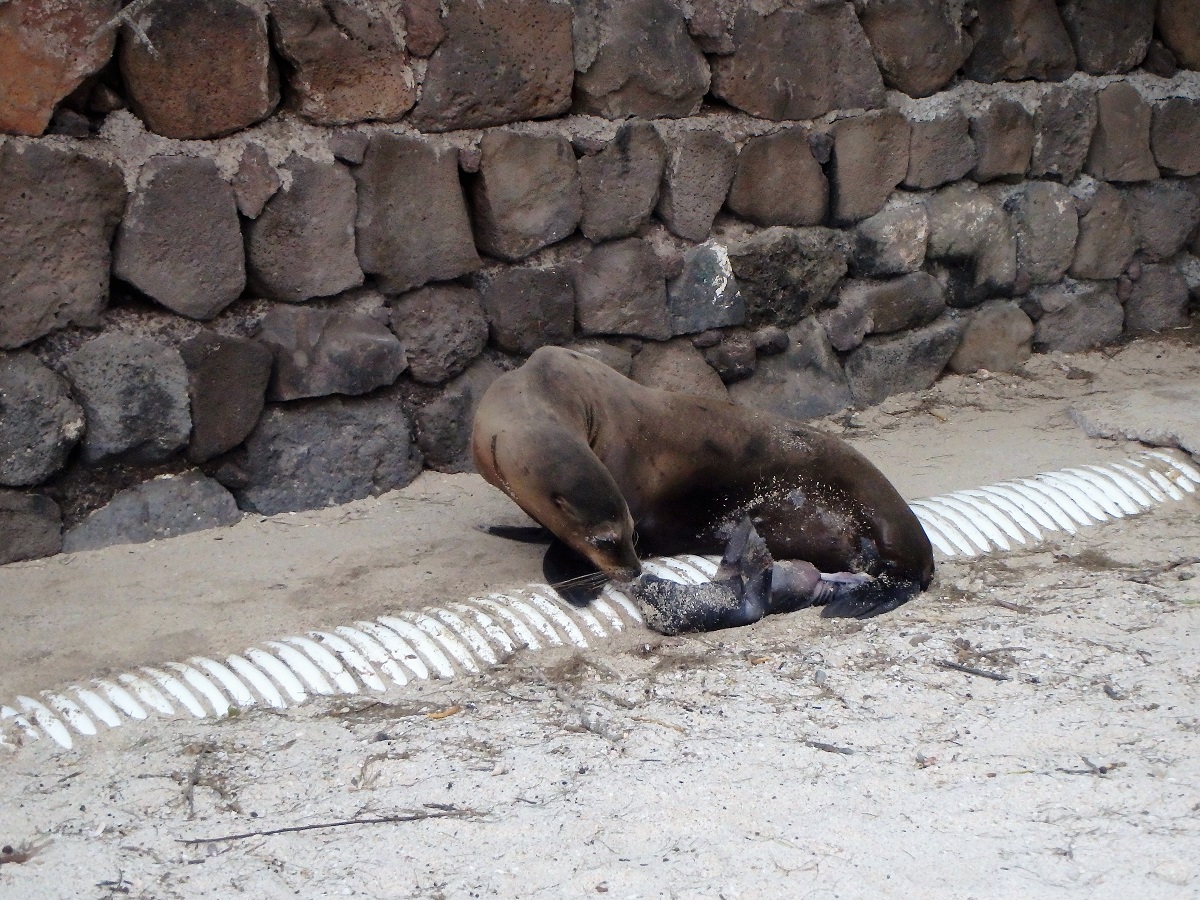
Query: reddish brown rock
x=1175 y=136
x=1110 y=36
x=1003 y=134
x=870 y=158
x=442 y=328
x=998 y=338
x=1179 y=26
x=778 y=182
x=1019 y=39
x=799 y=63
x=198 y=68
x=423 y=29
x=527 y=194
x=47 y=49
x=940 y=149
x=635 y=58
x=700 y=166
x=412 y=219
x=528 y=308
x=302 y=246
x=58 y=212
x=1120 y=148
x=677 y=366
x=620 y=184
x=256 y=181
x=500 y=61
x=180 y=241
x=919 y=44
x=620 y=289
x=347 y=60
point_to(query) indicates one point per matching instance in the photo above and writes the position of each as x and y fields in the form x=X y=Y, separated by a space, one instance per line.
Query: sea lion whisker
x=590 y=580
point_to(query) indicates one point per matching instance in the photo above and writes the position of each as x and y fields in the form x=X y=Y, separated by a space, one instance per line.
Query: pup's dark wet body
x=595 y=457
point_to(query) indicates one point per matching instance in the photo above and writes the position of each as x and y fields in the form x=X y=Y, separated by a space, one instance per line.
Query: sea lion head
x=596 y=524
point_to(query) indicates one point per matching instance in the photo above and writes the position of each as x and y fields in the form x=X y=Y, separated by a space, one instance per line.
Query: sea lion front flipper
x=572 y=574
x=524 y=534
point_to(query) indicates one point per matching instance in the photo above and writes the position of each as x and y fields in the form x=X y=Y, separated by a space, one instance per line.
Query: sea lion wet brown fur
x=598 y=459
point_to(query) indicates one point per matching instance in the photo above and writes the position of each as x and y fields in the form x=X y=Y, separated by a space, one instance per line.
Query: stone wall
x=266 y=254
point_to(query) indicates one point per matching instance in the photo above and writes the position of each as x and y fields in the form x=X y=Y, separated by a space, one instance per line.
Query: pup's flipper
x=572 y=574
x=875 y=597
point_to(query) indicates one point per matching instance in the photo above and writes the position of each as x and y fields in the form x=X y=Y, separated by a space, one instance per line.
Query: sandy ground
x=797 y=757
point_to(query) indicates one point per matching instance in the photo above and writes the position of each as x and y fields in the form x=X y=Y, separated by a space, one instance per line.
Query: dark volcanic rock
x=39 y=422
x=870 y=157
x=909 y=361
x=1019 y=39
x=1120 y=148
x=349 y=145
x=1175 y=135
x=971 y=237
x=778 y=182
x=134 y=394
x=635 y=58
x=998 y=338
x=805 y=382
x=528 y=308
x=1046 y=226
x=1180 y=29
x=180 y=241
x=1062 y=132
x=329 y=351
x=620 y=289
x=527 y=194
x=198 y=68
x=48 y=49
x=940 y=148
x=919 y=44
x=302 y=245
x=347 y=61
x=700 y=166
x=30 y=527
x=785 y=273
x=880 y=307
x=892 y=242
x=412 y=219
x=1110 y=36
x=442 y=328
x=323 y=452
x=1003 y=134
x=734 y=359
x=1160 y=61
x=444 y=425
x=677 y=366
x=620 y=184
x=1076 y=315
x=1159 y=301
x=798 y=63
x=1107 y=233
x=1166 y=212
x=227 y=384
x=164 y=507
x=500 y=61
x=705 y=294
x=58 y=211
x=256 y=181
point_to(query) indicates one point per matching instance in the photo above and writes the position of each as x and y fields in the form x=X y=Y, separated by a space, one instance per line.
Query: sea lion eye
x=604 y=544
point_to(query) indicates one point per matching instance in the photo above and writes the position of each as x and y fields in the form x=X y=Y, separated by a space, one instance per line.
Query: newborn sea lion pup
x=597 y=459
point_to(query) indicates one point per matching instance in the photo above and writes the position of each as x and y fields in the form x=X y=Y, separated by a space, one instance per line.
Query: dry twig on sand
x=440 y=812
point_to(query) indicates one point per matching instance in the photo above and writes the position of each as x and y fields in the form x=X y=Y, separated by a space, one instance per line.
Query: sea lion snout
x=614 y=555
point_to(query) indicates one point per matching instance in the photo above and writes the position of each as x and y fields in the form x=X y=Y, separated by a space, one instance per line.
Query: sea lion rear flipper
x=873 y=598
x=572 y=574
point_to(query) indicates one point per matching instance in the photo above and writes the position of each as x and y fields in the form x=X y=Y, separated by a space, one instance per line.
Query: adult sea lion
x=613 y=469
